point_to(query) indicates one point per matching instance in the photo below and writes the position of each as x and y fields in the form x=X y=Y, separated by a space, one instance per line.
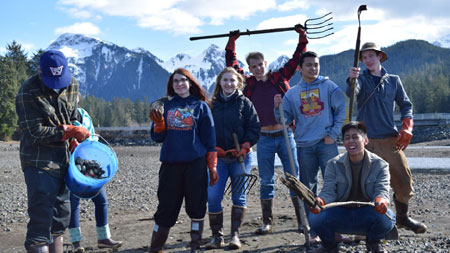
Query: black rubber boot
x=196 y=235
x=375 y=246
x=296 y=204
x=237 y=218
x=216 y=224
x=403 y=221
x=58 y=244
x=42 y=248
x=159 y=238
x=266 y=206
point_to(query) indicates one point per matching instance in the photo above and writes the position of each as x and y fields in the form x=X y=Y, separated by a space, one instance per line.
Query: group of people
x=198 y=152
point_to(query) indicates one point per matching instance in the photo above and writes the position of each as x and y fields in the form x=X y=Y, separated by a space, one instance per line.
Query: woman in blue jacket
x=233 y=113
x=185 y=128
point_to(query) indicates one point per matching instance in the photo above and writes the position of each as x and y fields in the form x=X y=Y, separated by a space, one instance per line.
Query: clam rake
x=244 y=181
x=316 y=28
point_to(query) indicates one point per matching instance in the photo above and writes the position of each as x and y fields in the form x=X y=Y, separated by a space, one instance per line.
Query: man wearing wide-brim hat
x=46 y=105
x=376 y=92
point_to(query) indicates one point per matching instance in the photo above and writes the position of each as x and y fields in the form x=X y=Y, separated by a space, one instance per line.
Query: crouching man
x=356 y=175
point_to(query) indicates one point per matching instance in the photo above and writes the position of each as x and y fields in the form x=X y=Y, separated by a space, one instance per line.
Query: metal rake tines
x=242 y=183
x=320 y=25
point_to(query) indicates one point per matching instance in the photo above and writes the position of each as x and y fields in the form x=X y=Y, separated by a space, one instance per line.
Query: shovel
x=316 y=28
x=302 y=210
x=244 y=181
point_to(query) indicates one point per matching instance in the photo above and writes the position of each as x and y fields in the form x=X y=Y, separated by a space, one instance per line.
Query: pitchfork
x=243 y=181
x=315 y=26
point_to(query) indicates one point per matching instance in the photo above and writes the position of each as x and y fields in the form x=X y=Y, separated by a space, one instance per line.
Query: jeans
x=101 y=209
x=364 y=220
x=228 y=168
x=313 y=157
x=48 y=206
x=267 y=147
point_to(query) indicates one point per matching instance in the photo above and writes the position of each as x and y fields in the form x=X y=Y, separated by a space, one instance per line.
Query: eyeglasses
x=182 y=80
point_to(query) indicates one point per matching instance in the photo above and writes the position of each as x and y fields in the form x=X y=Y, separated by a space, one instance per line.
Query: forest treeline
x=423 y=68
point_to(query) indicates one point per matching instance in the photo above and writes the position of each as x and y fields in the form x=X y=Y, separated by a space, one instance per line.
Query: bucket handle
x=107 y=143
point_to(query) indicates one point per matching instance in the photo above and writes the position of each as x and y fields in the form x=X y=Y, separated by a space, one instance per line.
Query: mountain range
x=106 y=70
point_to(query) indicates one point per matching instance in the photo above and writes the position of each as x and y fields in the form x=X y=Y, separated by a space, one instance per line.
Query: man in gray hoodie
x=317 y=105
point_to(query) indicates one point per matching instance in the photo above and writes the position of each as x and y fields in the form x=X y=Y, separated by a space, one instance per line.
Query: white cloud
x=85 y=28
x=288 y=21
x=293 y=4
x=178 y=16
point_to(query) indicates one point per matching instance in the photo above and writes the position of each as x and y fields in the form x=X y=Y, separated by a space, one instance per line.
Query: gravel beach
x=132 y=203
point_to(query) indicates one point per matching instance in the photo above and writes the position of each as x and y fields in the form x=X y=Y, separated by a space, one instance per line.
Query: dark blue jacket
x=189 y=130
x=235 y=115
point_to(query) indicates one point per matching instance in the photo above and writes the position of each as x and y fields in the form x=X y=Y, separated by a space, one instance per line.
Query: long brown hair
x=240 y=79
x=194 y=88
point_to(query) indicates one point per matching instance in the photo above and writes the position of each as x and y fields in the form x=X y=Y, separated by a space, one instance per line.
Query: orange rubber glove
x=405 y=135
x=221 y=152
x=158 y=120
x=317 y=208
x=245 y=148
x=302 y=34
x=77 y=132
x=231 y=45
x=211 y=160
x=73 y=144
x=231 y=153
x=381 y=205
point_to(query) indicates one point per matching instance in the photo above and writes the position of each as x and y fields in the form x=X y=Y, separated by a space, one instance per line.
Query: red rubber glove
x=158 y=120
x=245 y=148
x=211 y=160
x=405 y=135
x=221 y=152
x=317 y=208
x=381 y=205
x=302 y=34
x=77 y=132
x=231 y=45
x=73 y=144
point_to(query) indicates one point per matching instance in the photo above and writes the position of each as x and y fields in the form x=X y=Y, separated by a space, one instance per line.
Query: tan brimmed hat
x=372 y=46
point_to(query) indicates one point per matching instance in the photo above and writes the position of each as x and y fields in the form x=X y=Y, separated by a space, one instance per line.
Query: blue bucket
x=87 y=187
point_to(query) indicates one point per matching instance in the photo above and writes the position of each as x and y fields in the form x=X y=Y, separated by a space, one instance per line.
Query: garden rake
x=244 y=181
x=316 y=28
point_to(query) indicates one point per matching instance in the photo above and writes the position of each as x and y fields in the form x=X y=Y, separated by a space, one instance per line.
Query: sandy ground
x=132 y=199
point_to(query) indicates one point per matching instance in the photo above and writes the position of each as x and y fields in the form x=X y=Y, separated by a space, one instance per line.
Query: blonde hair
x=240 y=79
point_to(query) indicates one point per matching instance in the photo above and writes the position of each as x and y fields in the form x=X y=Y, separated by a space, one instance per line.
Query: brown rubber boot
x=296 y=204
x=159 y=238
x=104 y=240
x=196 y=235
x=403 y=221
x=266 y=206
x=76 y=247
x=216 y=224
x=41 y=248
x=237 y=218
x=58 y=244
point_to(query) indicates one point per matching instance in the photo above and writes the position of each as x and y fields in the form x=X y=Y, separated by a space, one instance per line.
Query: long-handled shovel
x=355 y=63
x=303 y=217
x=319 y=28
x=305 y=194
x=244 y=181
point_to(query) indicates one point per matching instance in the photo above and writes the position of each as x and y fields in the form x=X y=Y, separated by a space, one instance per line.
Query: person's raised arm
x=230 y=52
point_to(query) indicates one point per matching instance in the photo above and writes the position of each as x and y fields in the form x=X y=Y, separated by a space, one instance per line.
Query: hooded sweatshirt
x=189 y=130
x=318 y=110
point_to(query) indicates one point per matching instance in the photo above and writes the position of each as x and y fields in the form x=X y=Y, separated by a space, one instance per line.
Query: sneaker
x=315 y=240
x=343 y=238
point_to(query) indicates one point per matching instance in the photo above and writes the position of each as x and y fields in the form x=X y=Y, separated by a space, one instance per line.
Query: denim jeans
x=311 y=158
x=267 y=147
x=101 y=209
x=48 y=206
x=228 y=168
x=364 y=220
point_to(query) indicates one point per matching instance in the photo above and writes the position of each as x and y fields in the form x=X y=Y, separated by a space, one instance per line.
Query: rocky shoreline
x=132 y=203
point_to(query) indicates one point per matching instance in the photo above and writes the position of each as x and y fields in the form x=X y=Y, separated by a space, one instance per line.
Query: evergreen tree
x=8 y=88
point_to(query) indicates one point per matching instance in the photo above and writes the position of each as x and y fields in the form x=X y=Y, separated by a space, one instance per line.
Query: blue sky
x=163 y=27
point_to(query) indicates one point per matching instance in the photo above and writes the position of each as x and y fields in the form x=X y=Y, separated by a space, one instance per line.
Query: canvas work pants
x=401 y=177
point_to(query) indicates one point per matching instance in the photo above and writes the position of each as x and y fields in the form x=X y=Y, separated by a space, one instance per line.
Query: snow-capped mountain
x=106 y=70
x=443 y=41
